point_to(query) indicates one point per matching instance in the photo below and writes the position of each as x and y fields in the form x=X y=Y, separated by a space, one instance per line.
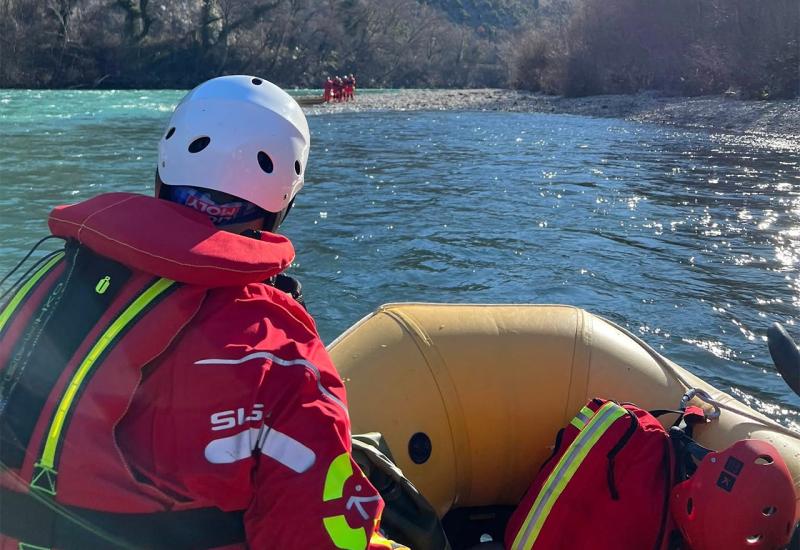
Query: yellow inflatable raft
x=469 y=397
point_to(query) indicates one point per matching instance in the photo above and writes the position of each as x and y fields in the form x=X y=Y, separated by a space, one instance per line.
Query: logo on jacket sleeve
x=225 y=420
x=363 y=505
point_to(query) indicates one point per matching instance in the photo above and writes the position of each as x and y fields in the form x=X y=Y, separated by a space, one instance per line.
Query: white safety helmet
x=240 y=135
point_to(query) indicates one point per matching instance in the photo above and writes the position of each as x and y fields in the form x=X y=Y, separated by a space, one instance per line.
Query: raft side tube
x=491 y=385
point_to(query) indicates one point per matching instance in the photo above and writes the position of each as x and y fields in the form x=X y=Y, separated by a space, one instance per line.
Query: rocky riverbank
x=714 y=113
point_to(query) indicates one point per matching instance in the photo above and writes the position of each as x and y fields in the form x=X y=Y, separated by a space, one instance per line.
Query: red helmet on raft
x=739 y=498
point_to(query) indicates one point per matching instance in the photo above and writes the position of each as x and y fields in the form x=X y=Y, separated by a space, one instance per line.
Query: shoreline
x=774 y=118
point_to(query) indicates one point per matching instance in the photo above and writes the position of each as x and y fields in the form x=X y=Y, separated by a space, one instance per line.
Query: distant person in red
x=338 y=88
x=327 y=94
x=352 y=86
x=348 y=87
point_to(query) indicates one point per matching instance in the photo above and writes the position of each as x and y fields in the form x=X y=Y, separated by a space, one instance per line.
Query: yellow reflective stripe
x=583 y=416
x=578 y=423
x=344 y=536
x=561 y=475
x=47 y=460
x=339 y=472
x=12 y=306
x=378 y=539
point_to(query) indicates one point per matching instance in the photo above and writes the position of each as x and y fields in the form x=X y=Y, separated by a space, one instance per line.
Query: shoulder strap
x=612 y=454
x=661 y=412
x=668 y=463
x=687 y=453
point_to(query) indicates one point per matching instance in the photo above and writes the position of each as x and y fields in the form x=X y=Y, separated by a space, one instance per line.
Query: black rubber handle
x=785 y=355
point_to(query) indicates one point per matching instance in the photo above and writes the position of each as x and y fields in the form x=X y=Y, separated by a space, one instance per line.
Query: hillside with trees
x=573 y=47
x=684 y=47
x=177 y=43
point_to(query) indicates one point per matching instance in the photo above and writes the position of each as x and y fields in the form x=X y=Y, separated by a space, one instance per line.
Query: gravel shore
x=714 y=113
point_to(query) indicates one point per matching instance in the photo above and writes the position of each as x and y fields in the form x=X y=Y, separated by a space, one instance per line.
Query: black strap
x=688 y=453
x=290 y=286
x=38 y=520
x=612 y=454
x=666 y=462
x=661 y=412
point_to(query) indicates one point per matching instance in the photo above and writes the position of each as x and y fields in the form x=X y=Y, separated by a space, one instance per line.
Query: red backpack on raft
x=612 y=467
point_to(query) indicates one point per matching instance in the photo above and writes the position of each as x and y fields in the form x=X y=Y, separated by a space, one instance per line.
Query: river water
x=691 y=240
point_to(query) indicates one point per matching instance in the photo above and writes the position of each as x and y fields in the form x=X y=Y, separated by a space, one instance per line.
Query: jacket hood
x=170 y=240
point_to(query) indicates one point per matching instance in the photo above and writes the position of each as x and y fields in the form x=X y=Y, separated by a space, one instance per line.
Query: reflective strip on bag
x=563 y=472
x=583 y=416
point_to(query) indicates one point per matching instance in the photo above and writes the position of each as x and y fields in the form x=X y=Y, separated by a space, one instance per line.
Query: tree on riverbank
x=686 y=47
x=160 y=43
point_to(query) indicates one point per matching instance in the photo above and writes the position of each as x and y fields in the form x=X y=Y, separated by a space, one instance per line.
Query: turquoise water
x=689 y=239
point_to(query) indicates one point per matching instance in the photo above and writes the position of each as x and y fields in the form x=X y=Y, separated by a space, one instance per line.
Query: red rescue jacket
x=154 y=388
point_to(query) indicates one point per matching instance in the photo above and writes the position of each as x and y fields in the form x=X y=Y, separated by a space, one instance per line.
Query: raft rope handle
x=664 y=364
x=703 y=396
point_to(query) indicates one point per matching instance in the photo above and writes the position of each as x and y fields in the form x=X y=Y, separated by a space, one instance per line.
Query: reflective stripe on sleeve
x=272 y=443
x=284 y=363
x=344 y=536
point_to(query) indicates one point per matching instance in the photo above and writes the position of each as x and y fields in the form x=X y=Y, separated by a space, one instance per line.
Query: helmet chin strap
x=273 y=220
x=159 y=183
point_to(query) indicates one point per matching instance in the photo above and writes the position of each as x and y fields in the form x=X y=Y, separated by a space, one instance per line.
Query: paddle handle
x=785 y=355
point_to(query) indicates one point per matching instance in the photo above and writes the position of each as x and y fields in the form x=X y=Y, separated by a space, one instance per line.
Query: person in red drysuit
x=350 y=88
x=169 y=390
x=327 y=94
x=338 y=89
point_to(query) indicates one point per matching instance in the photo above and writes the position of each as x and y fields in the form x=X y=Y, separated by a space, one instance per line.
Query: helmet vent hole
x=265 y=162
x=764 y=460
x=753 y=539
x=170 y=133
x=769 y=511
x=297 y=168
x=689 y=507
x=257 y=81
x=199 y=144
